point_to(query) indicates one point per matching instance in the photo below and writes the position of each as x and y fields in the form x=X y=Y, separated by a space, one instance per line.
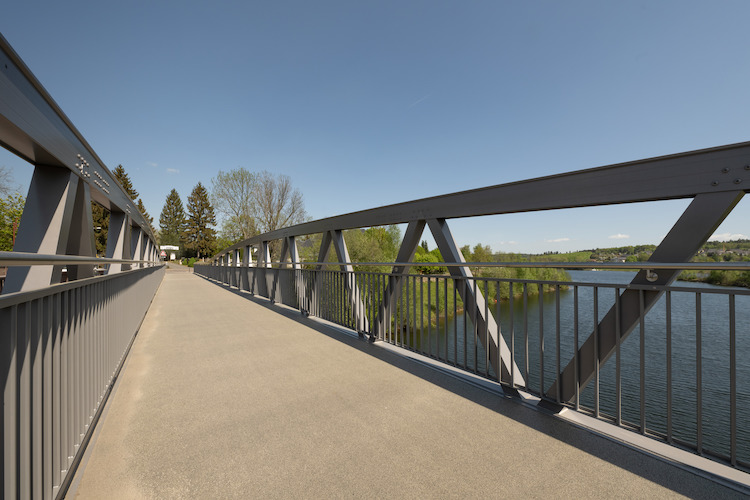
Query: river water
x=714 y=408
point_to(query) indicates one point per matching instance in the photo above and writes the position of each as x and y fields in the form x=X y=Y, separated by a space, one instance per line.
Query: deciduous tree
x=11 y=208
x=233 y=196
x=7 y=186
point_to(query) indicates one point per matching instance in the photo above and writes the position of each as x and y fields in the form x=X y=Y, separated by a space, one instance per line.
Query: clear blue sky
x=367 y=104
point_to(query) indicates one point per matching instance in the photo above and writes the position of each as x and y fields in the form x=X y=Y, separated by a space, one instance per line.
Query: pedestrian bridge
x=229 y=396
x=263 y=375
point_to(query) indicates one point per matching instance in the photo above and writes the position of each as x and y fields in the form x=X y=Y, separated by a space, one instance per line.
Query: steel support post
x=296 y=270
x=350 y=282
x=247 y=259
x=699 y=221
x=391 y=295
x=236 y=268
x=136 y=243
x=313 y=292
x=47 y=226
x=264 y=258
x=81 y=238
x=498 y=351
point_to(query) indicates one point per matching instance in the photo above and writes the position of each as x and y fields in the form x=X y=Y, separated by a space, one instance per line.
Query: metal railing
x=62 y=348
x=64 y=330
x=680 y=381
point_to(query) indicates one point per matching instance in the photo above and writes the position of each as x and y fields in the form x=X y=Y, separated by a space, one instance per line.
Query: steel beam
x=684 y=175
x=406 y=252
x=699 y=221
x=45 y=226
x=136 y=243
x=350 y=283
x=81 y=239
x=499 y=353
x=33 y=127
x=118 y=241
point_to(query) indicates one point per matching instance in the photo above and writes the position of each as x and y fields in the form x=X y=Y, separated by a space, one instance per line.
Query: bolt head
x=725 y=170
x=714 y=183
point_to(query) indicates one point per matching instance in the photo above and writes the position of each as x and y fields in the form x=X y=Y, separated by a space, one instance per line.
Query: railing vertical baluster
x=618 y=361
x=415 y=329
x=512 y=334
x=576 y=361
x=698 y=375
x=445 y=310
x=24 y=398
x=10 y=359
x=487 y=331
x=732 y=383
x=526 y=334
x=47 y=319
x=55 y=373
x=500 y=340
x=668 y=306
x=475 y=325
x=642 y=314
x=421 y=315
x=455 y=322
x=465 y=285
x=596 y=351
x=36 y=393
x=398 y=300
x=541 y=339
x=557 y=340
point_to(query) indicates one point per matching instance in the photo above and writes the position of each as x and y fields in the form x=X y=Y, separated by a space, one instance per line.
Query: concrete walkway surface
x=225 y=396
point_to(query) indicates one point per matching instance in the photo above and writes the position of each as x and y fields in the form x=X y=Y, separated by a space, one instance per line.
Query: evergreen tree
x=142 y=209
x=101 y=227
x=124 y=180
x=172 y=220
x=199 y=236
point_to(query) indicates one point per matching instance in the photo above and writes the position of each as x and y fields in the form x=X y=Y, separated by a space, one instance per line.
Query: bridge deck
x=223 y=397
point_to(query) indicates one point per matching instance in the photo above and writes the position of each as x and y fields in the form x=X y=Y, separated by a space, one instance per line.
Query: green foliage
x=432 y=257
x=233 y=195
x=149 y=219
x=11 y=209
x=199 y=236
x=374 y=244
x=100 y=216
x=172 y=220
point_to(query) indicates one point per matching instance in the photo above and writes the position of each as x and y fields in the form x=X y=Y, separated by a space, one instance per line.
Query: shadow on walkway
x=677 y=478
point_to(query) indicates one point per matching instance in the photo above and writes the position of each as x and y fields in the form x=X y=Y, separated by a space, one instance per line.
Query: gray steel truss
x=715 y=179
x=68 y=176
x=690 y=232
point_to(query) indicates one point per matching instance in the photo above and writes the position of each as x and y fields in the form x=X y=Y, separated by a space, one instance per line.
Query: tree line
x=249 y=203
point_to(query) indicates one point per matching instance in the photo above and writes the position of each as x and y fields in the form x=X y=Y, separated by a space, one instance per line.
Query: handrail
x=35 y=259
x=722 y=169
x=686 y=266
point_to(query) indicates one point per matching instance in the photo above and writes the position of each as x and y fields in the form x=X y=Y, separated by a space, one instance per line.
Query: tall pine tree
x=142 y=209
x=100 y=214
x=199 y=236
x=124 y=180
x=172 y=220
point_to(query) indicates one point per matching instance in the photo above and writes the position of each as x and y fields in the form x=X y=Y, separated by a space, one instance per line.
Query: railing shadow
x=677 y=477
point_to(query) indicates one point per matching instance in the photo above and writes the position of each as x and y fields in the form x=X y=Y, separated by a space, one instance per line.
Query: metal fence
x=62 y=348
x=683 y=377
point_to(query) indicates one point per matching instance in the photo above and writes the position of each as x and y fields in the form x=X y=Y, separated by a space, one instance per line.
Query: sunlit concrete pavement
x=224 y=397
